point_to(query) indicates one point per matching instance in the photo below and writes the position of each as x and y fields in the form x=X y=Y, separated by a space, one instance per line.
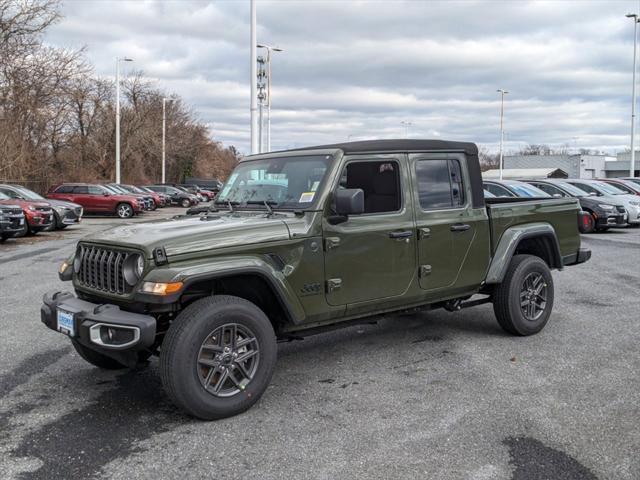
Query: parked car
x=209 y=194
x=177 y=196
x=38 y=214
x=612 y=195
x=513 y=188
x=164 y=198
x=212 y=184
x=627 y=186
x=12 y=219
x=97 y=199
x=603 y=214
x=364 y=228
x=64 y=213
x=144 y=198
x=158 y=200
x=634 y=180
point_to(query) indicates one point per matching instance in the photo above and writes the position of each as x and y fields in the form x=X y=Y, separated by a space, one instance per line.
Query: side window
x=64 y=189
x=81 y=189
x=9 y=193
x=93 y=190
x=550 y=189
x=586 y=188
x=380 y=182
x=498 y=191
x=439 y=184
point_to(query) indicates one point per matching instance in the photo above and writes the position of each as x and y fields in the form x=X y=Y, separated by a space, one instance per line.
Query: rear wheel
x=523 y=301
x=124 y=210
x=218 y=357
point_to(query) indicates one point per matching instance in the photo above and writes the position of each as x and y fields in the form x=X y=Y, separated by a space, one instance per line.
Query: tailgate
x=560 y=213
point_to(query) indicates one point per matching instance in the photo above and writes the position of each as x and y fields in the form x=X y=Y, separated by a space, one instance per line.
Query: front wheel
x=218 y=357
x=185 y=203
x=124 y=210
x=523 y=301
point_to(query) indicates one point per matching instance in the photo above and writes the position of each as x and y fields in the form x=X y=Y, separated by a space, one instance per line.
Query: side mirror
x=558 y=195
x=348 y=201
x=106 y=194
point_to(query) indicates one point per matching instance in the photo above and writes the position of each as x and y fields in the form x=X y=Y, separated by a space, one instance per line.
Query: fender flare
x=229 y=267
x=510 y=240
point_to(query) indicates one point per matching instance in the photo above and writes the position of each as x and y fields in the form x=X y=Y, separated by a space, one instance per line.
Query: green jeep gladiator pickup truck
x=302 y=241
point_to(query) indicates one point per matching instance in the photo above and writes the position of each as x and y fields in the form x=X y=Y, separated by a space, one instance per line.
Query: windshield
x=608 y=189
x=525 y=190
x=286 y=182
x=29 y=194
x=573 y=191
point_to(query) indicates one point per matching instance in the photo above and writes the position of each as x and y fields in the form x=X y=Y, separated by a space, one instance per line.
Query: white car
x=602 y=189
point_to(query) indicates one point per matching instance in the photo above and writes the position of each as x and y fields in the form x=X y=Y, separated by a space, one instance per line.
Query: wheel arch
x=260 y=284
x=538 y=239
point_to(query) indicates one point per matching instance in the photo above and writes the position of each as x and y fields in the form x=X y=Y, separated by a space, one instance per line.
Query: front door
x=445 y=227
x=372 y=255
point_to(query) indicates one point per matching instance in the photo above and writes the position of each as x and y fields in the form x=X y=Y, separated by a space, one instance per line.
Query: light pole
x=406 y=126
x=253 y=81
x=269 y=50
x=502 y=94
x=118 y=60
x=632 y=167
x=164 y=135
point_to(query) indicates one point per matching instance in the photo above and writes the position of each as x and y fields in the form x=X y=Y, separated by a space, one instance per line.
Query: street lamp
x=633 y=93
x=406 y=126
x=118 y=60
x=253 y=83
x=164 y=134
x=269 y=50
x=502 y=94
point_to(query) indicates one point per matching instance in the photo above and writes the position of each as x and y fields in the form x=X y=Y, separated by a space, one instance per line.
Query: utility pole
x=253 y=78
x=632 y=167
x=502 y=94
x=118 y=60
x=262 y=99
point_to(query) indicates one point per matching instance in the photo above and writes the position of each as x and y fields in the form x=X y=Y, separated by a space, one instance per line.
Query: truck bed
x=561 y=213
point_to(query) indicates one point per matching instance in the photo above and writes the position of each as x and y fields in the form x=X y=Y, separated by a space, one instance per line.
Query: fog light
x=63 y=267
x=114 y=336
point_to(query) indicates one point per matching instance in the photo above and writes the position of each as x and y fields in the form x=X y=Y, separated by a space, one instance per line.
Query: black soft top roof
x=401 y=145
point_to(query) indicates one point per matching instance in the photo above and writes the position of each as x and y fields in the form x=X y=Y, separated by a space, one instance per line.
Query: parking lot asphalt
x=433 y=395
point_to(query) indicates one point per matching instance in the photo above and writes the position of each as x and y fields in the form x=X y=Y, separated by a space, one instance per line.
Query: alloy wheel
x=228 y=360
x=533 y=296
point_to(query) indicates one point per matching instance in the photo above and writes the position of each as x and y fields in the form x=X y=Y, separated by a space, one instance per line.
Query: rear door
x=447 y=224
x=372 y=256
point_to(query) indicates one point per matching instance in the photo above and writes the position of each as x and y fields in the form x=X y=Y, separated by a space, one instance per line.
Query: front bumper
x=13 y=224
x=92 y=320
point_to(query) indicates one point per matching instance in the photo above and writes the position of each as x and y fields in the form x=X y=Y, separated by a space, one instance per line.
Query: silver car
x=602 y=189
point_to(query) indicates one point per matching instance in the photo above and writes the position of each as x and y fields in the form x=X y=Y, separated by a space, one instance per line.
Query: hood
x=183 y=235
x=27 y=203
x=62 y=203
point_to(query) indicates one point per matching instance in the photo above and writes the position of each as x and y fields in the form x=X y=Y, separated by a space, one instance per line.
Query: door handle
x=401 y=234
x=460 y=227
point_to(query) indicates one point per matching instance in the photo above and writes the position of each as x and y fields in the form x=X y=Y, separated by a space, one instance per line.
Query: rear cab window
x=440 y=184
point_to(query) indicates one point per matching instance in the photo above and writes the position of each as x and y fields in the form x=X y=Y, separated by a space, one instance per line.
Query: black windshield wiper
x=228 y=203
x=266 y=203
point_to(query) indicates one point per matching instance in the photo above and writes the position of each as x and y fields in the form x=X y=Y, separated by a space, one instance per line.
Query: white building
x=576 y=166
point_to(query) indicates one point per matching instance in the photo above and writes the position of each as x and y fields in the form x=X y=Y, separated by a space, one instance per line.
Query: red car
x=38 y=215
x=97 y=199
x=208 y=193
x=625 y=184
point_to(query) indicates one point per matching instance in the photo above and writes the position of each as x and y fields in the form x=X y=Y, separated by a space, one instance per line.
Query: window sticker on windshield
x=307 y=197
x=314 y=187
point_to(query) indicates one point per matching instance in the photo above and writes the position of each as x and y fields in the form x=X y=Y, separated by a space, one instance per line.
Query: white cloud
x=357 y=69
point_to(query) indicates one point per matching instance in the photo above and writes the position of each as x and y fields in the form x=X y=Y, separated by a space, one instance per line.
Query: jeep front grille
x=102 y=269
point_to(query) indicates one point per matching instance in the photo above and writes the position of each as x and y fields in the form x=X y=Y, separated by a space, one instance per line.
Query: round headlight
x=133 y=268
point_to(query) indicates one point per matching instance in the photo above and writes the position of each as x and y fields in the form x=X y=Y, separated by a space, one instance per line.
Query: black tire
x=3 y=238
x=95 y=358
x=124 y=210
x=507 y=297
x=601 y=229
x=181 y=357
x=185 y=203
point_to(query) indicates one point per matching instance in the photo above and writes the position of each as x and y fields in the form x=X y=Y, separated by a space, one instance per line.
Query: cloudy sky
x=356 y=69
